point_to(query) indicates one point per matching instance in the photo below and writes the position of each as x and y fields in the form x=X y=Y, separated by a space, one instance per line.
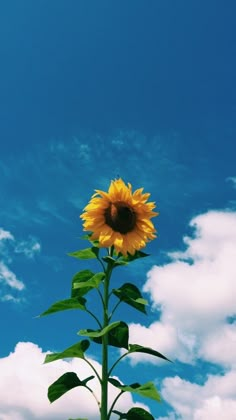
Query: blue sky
x=146 y=91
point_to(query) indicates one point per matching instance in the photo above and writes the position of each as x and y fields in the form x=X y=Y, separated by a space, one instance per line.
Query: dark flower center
x=120 y=217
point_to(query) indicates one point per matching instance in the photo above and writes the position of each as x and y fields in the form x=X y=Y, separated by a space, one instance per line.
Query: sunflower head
x=120 y=218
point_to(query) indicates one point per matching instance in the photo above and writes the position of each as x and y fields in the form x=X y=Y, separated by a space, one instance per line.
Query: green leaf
x=80 y=419
x=88 y=238
x=135 y=413
x=63 y=305
x=81 y=277
x=92 y=283
x=114 y=262
x=137 y=255
x=85 y=254
x=64 y=384
x=77 y=350
x=130 y=294
x=136 y=348
x=118 y=334
x=147 y=390
x=98 y=333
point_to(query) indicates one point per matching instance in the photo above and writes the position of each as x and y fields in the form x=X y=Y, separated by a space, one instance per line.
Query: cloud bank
x=194 y=295
x=25 y=380
x=215 y=399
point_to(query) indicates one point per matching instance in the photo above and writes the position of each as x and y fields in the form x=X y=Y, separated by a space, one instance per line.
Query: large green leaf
x=64 y=305
x=147 y=390
x=136 y=413
x=118 y=334
x=92 y=283
x=85 y=254
x=77 y=350
x=98 y=333
x=136 y=348
x=81 y=277
x=130 y=294
x=64 y=384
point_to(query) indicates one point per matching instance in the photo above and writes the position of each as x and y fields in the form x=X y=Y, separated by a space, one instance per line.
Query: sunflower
x=120 y=218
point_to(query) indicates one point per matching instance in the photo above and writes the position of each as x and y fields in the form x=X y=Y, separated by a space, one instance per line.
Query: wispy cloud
x=4 y=234
x=9 y=278
x=10 y=283
x=29 y=247
x=50 y=179
x=53 y=179
x=10 y=298
x=232 y=180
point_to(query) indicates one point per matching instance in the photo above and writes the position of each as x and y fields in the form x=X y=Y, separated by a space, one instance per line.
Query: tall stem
x=104 y=389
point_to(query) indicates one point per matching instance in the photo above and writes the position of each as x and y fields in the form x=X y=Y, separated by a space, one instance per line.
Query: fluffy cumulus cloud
x=215 y=399
x=194 y=294
x=25 y=380
x=10 y=282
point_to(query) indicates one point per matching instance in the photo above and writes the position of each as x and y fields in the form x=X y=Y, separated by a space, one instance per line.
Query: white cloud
x=232 y=179
x=9 y=278
x=219 y=346
x=29 y=247
x=195 y=293
x=9 y=298
x=25 y=380
x=215 y=399
x=171 y=416
x=5 y=234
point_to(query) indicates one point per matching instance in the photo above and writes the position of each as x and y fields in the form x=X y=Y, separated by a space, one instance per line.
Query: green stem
x=105 y=345
x=93 y=368
x=94 y=316
x=114 y=309
x=103 y=267
x=93 y=394
x=116 y=363
x=101 y=297
x=113 y=404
